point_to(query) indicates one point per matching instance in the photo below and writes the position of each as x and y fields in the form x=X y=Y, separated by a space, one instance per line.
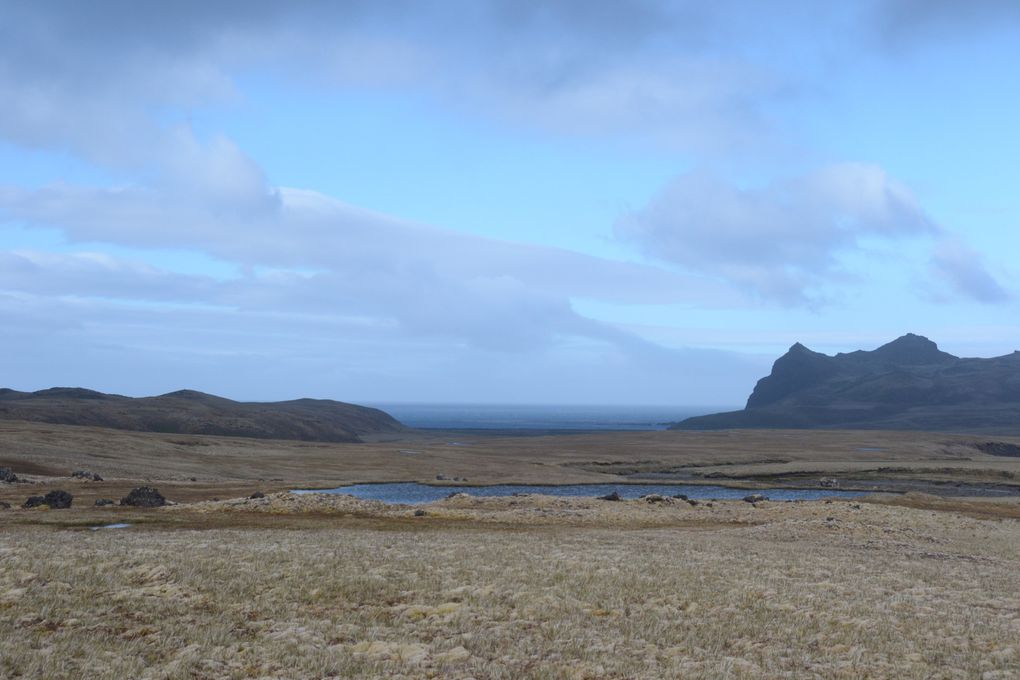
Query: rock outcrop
x=144 y=497
x=907 y=384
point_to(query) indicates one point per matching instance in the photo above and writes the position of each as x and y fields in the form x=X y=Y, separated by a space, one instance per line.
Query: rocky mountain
x=907 y=384
x=190 y=412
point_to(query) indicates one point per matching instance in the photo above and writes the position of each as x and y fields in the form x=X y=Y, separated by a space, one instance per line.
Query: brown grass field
x=891 y=586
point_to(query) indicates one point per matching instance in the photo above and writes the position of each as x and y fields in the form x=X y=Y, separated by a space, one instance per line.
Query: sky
x=499 y=201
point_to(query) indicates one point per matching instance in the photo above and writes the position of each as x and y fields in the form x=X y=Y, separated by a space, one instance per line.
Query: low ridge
x=907 y=384
x=193 y=412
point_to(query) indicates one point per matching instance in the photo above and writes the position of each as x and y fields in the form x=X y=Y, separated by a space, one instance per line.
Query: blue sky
x=547 y=202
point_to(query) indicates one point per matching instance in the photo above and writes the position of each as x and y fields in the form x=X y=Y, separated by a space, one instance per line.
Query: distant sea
x=541 y=417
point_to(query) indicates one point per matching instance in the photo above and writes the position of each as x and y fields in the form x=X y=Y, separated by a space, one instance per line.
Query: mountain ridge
x=194 y=412
x=907 y=384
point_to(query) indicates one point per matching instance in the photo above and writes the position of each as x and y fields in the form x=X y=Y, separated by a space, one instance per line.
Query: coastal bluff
x=907 y=384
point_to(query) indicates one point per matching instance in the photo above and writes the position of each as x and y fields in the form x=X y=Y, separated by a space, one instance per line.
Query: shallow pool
x=412 y=493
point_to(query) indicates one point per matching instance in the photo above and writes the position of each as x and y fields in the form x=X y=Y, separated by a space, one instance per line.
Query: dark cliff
x=907 y=384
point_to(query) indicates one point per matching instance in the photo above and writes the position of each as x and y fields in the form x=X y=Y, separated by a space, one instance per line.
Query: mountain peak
x=912 y=349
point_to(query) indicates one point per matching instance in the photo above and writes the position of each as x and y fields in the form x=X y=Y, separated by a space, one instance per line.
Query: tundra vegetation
x=267 y=584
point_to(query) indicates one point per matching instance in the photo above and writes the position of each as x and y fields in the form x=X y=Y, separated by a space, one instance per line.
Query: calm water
x=412 y=493
x=541 y=417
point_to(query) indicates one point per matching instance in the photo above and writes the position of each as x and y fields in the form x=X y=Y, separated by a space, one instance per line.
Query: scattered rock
x=709 y=505
x=86 y=475
x=681 y=496
x=441 y=477
x=653 y=498
x=420 y=513
x=614 y=496
x=56 y=500
x=828 y=483
x=257 y=494
x=457 y=494
x=194 y=479
x=855 y=506
x=755 y=498
x=144 y=497
x=691 y=502
x=103 y=501
x=7 y=475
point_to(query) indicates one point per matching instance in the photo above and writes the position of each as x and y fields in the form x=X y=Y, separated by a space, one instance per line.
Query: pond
x=412 y=493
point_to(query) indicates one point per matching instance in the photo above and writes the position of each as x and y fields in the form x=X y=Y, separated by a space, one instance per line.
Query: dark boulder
x=103 y=501
x=420 y=513
x=257 y=494
x=86 y=475
x=653 y=498
x=614 y=496
x=7 y=475
x=755 y=498
x=144 y=497
x=56 y=500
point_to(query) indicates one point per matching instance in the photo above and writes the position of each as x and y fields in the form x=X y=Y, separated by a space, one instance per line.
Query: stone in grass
x=87 y=476
x=103 y=501
x=755 y=498
x=257 y=494
x=56 y=500
x=144 y=497
x=420 y=513
x=614 y=496
x=7 y=475
x=653 y=498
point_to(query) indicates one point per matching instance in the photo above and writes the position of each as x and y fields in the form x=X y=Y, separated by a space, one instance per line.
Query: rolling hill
x=191 y=412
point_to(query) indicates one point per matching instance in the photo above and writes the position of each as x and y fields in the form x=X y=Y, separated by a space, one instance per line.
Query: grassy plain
x=911 y=586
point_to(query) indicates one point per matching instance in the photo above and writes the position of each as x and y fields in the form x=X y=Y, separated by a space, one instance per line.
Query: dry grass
x=800 y=590
x=535 y=587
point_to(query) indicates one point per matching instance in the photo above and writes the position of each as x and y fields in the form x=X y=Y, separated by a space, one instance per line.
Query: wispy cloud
x=781 y=241
x=963 y=271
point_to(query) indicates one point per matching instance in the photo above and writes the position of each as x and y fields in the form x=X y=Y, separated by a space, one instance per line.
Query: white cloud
x=782 y=241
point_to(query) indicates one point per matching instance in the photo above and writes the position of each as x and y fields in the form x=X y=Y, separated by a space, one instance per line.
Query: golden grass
x=799 y=590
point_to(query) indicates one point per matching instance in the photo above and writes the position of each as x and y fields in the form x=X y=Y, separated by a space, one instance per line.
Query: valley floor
x=314 y=586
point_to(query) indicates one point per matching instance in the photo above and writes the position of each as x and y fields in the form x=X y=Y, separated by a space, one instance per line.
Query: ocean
x=541 y=417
